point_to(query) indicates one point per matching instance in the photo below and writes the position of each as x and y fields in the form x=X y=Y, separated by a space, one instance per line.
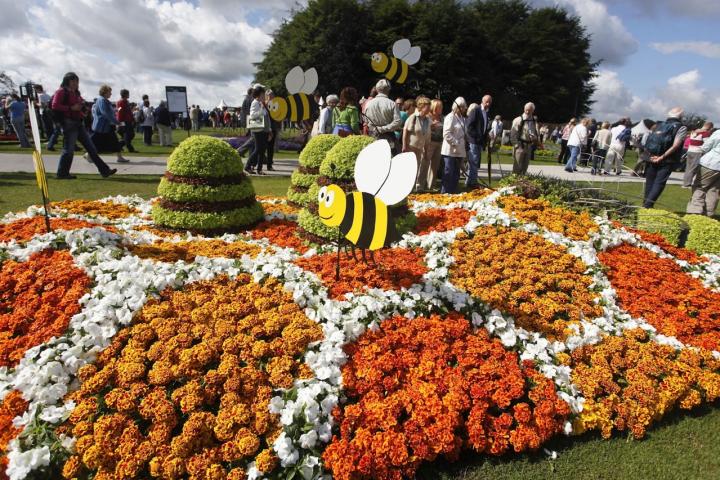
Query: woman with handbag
x=104 y=126
x=258 y=122
x=346 y=116
x=454 y=145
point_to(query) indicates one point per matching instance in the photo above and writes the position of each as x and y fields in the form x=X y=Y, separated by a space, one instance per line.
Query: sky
x=652 y=54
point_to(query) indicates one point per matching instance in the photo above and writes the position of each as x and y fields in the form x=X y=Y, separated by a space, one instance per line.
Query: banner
x=176 y=99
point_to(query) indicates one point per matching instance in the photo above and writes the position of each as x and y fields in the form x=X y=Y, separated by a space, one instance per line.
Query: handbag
x=256 y=123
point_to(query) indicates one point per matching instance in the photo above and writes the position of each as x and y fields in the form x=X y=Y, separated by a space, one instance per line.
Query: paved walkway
x=22 y=162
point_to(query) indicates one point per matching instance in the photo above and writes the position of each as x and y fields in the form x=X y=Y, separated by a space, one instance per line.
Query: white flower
x=20 y=464
x=508 y=337
x=309 y=439
x=276 y=405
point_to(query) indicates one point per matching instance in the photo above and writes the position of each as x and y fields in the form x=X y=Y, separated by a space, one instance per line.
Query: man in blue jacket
x=478 y=128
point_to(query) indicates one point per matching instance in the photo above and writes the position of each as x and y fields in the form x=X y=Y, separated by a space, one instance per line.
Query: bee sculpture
x=395 y=68
x=363 y=217
x=299 y=104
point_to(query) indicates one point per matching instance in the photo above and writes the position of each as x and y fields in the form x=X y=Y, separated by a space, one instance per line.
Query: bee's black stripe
x=349 y=214
x=368 y=221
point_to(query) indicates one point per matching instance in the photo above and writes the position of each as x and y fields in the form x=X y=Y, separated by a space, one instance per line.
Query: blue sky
x=648 y=47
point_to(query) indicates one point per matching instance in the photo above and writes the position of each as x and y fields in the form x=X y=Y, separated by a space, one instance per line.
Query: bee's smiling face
x=331 y=205
x=278 y=109
x=378 y=61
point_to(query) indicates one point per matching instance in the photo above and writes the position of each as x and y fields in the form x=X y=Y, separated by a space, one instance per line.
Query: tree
x=501 y=47
x=7 y=84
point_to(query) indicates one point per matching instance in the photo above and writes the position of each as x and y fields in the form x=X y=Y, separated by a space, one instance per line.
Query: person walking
x=523 y=135
x=259 y=126
x=68 y=104
x=195 y=118
x=104 y=123
x=478 y=129
x=126 y=119
x=665 y=147
x=17 y=119
x=163 y=121
x=346 y=116
x=416 y=137
x=432 y=155
x=383 y=116
x=147 y=120
x=694 y=152
x=600 y=144
x=706 y=183
x=576 y=142
x=272 y=138
x=454 y=144
x=615 y=157
x=565 y=135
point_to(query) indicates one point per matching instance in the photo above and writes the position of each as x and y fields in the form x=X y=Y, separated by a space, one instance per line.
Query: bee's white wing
x=401 y=48
x=294 y=80
x=413 y=56
x=389 y=179
x=310 y=81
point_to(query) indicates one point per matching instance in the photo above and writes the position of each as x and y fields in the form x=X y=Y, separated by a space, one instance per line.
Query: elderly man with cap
x=383 y=116
x=325 y=120
x=665 y=147
x=523 y=135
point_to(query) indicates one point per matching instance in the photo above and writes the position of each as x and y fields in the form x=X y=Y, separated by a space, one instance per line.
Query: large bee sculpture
x=299 y=104
x=363 y=217
x=395 y=68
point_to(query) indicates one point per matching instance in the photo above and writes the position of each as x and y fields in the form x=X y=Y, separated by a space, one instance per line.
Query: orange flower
x=445 y=199
x=659 y=240
x=37 y=300
x=108 y=210
x=571 y=224
x=394 y=268
x=25 y=229
x=12 y=406
x=282 y=233
x=187 y=251
x=441 y=220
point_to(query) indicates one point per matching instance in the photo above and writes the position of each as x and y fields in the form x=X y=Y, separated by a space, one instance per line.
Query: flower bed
x=26 y=228
x=187 y=251
x=95 y=208
x=282 y=233
x=576 y=226
x=441 y=220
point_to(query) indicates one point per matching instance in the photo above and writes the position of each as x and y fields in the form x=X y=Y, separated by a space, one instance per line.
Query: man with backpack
x=664 y=145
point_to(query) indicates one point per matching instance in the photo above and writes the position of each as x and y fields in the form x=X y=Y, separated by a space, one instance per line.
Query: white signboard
x=176 y=99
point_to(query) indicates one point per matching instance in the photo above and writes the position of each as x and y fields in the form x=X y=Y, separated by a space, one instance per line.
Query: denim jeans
x=271 y=150
x=128 y=135
x=73 y=131
x=598 y=158
x=451 y=174
x=656 y=176
x=474 y=156
x=572 y=161
x=147 y=134
x=19 y=127
x=257 y=157
x=53 y=138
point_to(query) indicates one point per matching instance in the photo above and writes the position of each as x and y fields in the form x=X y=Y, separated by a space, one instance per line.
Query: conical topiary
x=204 y=189
x=306 y=175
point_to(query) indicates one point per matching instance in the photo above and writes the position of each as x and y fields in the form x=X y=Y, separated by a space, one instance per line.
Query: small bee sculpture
x=395 y=68
x=363 y=217
x=299 y=103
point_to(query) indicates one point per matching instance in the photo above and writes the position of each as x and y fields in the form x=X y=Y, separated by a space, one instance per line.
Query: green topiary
x=314 y=152
x=183 y=192
x=340 y=160
x=214 y=221
x=704 y=236
x=302 y=179
x=312 y=224
x=667 y=224
x=203 y=156
x=298 y=198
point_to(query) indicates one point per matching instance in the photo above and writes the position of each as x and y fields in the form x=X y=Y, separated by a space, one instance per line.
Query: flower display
x=37 y=300
x=441 y=220
x=576 y=226
x=630 y=382
x=429 y=387
x=185 y=389
x=187 y=251
x=442 y=199
x=657 y=239
x=540 y=284
x=95 y=208
x=394 y=268
x=282 y=233
x=657 y=290
x=26 y=228
x=11 y=406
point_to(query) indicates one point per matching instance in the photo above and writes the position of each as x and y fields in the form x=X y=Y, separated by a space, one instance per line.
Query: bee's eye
x=321 y=194
x=330 y=197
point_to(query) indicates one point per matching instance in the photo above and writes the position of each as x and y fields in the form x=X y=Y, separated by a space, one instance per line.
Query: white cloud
x=614 y=100
x=685 y=8
x=610 y=42
x=705 y=49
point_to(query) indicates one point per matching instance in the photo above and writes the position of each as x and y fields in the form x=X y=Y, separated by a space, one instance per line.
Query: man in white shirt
x=615 y=157
x=383 y=116
x=576 y=140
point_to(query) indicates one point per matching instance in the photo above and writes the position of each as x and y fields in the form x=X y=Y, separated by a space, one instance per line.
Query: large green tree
x=501 y=47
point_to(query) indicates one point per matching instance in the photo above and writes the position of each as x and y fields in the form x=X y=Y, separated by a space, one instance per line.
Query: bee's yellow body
x=394 y=69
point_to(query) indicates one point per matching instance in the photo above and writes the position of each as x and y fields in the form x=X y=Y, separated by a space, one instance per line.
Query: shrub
x=227 y=220
x=314 y=152
x=298 y=198
x=704 y=234
x=302 y=179
x=664 y=223
x=203 y=156
x=340 y=160
x=183 y=192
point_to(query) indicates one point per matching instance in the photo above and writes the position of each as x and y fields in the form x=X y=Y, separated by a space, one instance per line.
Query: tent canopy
x=222 y=104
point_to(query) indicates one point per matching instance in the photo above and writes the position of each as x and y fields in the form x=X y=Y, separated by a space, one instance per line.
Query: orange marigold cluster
x=445 y=199
x=657 y=239
x=430 y=387
x=277 y=207
x=441 y=220
x=630 y=382
x=184 y=392
x=537 y=282
x=573 y=225
x=12 y=406
x=282 y=233
x=109 y=210
x=394 y=268
x=26 y=228
x=187 y=251
x=669 y=299
x=37 y=300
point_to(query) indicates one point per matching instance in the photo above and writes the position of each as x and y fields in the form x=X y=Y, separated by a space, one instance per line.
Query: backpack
x=57 y=115
x=660 y=140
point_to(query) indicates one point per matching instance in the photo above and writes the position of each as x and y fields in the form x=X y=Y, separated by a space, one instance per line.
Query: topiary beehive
x=306 y=175
x=204 y=189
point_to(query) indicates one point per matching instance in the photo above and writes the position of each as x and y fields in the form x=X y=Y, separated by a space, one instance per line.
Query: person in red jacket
x=126 y=119
x=68 y=107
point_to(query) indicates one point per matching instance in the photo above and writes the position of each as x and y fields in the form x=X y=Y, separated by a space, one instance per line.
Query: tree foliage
x=502 y=47
x=7 y=85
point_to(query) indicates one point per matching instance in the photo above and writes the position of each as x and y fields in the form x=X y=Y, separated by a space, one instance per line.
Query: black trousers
x=147 y=134
x=260 y=145
x=656 y=176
